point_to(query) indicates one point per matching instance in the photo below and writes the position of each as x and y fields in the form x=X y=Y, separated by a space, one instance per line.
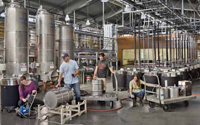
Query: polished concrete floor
x=128 y=115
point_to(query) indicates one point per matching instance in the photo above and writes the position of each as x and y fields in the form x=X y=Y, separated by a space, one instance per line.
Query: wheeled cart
x=166 y=102
x=151 y=97
x=106 y=97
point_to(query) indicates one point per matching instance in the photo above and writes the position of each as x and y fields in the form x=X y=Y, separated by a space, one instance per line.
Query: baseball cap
x=64 y=55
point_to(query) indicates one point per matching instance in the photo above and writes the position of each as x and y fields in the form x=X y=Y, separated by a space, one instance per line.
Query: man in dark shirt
x=101 y=70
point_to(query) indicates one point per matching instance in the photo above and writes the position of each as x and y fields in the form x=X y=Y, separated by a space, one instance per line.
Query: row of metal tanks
x=166 y=76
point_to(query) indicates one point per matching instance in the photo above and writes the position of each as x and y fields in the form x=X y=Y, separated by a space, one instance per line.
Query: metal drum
x=121 y=78
x=180 y=75
x=97 y=87
x=194 y=73
x=169 y=79
x=66 y=41
x=58 y=97
x=16 y=39
x=9 y=92
x=151 y=79
x=129 y=77
x=45 y=31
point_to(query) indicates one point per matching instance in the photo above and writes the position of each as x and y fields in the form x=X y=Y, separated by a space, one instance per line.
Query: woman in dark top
x=26 y=88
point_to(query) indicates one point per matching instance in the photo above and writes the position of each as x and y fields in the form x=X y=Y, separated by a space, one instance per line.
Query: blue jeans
x=76 y=88
x=139 y=94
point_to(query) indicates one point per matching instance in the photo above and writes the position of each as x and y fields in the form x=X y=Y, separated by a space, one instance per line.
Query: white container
x=164 y=94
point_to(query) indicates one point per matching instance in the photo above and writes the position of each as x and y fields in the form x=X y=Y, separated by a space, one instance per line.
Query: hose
x=109 y=110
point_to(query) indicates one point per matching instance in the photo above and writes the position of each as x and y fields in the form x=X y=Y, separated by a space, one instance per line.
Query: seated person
x=26 y=88
x=135 y=89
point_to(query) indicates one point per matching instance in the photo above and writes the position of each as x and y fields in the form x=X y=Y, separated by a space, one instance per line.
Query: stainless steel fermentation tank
x=16 y=39
x=45 y=32
x=66 y=41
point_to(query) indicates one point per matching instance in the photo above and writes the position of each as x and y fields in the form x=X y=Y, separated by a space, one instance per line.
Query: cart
x=151 y=97
x=106 y=97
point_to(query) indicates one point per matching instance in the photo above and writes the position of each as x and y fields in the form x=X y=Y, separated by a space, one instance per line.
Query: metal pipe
x=182 y=47
x=24 y=3
x=135 y=56
x=162 y=47
x=166 y=40
x=154 y=45
x=185 y=48
x=139 y=41
x=182 y=8
x=103 y=15
x=74 y=20
x=176 y=45
x=158 y=46
x=143 y=49
x=148 y=41
x=143 y=10
x=170 y=45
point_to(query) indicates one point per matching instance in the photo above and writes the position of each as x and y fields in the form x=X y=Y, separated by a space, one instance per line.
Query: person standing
x=69 y=69
x=101 y=70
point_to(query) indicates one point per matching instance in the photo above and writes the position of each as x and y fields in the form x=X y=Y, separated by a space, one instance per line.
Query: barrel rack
x=66 y=112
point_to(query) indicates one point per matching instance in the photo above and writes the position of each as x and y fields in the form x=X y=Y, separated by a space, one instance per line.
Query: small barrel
x=97 y=87
x=58 y=97
x=121 y=78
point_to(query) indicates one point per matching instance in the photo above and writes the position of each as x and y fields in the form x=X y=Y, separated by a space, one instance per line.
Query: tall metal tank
x=66 y=41
x=16 y=39
x=45 y=32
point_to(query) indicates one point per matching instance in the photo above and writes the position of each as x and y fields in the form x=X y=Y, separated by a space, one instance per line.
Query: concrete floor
x=127 y=116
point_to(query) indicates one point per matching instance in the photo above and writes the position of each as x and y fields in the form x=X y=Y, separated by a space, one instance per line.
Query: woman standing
x=26 y=88
x=135 y=90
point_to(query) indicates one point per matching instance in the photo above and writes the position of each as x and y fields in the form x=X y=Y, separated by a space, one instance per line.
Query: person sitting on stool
x=101 y=70
x=26 y=88
x=135 y=89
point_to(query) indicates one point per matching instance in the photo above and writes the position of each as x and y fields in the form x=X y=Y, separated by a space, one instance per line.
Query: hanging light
x=87 y=22
x=67 y=19
x=1 y=3
x=127 y=8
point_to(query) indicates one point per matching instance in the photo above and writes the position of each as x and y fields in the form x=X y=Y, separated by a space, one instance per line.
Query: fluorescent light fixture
x=67 y=19
x=87 y=23
x=104 y=0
